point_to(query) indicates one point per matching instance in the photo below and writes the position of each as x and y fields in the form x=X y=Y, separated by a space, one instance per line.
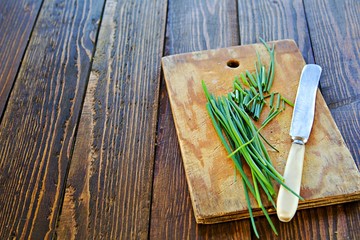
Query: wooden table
x=88 y=148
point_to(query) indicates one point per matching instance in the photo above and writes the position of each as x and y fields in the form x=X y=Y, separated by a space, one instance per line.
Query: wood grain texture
x=215 y=195
x=275 y=20
x=39 y=124
x=199 y=25
x=191 y=25
x=316 y=13
x=172 y=215
x=17 y=19
x=335 y=36
x=335 y=222
x=109 y=186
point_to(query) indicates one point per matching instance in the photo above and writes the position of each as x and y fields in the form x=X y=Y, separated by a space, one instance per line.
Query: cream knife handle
x=287 y=202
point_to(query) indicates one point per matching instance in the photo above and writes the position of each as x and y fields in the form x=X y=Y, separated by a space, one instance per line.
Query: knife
x=302 y=120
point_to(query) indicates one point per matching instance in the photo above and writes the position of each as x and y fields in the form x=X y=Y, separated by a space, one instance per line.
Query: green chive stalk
x=232 y=117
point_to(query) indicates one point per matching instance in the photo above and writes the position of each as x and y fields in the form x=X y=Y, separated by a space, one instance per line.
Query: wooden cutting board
x=330 y=175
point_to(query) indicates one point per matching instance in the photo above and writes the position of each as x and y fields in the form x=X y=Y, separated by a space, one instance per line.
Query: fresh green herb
x=271 y=100
x=232 y=117
x=287 y=101
x=251 y=78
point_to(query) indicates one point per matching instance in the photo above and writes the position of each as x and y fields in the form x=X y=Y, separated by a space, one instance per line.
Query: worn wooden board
x=200 y=24
x=330 y=175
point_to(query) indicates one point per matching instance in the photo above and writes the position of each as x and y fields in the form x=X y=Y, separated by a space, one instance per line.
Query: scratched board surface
x=330 y=175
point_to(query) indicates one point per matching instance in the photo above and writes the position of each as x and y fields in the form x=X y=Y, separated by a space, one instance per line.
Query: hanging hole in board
x=232 y=63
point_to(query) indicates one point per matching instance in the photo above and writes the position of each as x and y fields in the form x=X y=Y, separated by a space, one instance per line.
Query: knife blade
x=301 y=124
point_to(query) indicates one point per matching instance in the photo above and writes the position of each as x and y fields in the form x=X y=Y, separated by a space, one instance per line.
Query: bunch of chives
x=258 y=83
x=241 y=139
x=237 y=132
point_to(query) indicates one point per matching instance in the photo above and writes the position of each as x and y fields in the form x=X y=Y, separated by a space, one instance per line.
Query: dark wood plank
x=347 y=118
x=39 y=124
x=200 y=25
x=335 y=36
x=192 y=25
x=275 y=20
x=109 y=185
x=17 y=19
x=334 y=222
x=351 y=218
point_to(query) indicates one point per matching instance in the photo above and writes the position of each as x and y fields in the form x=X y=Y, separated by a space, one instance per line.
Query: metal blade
x=304 y=109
